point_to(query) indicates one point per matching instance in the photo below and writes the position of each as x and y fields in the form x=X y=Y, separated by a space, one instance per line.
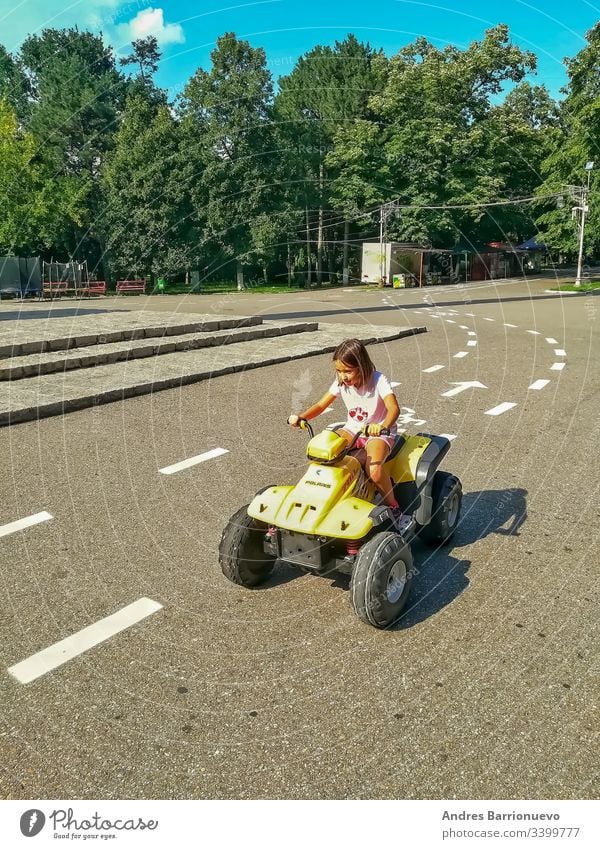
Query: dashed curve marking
x=193 y=461
x=27 y=522
x=58 y=654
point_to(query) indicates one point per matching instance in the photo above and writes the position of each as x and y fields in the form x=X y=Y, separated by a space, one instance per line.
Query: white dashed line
x=461 y=386
x=551 y=341
x=471 y=314
x=471 y=343
x=471 y=333
x=489 y=319
x=461 y=354
x=330 y=409
x=534 y=332
x=394 y=383
x=557 y=366
x=539 y=384
x=510 y=325
x=560 y=352
x=59 y=653
x=449 y=436
x=449 y=321
x=501 y=408
x=21 y=524
x=192 y=461
x=463 y=326
x=431 y=369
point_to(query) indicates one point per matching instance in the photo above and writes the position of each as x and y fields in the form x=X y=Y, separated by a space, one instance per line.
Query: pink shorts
x=361 y=442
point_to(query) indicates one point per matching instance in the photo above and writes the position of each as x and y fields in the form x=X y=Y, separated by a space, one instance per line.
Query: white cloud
x=29 y=17
x=150 y=22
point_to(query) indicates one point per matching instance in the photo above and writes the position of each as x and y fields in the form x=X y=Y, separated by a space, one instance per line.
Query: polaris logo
x=319 y=483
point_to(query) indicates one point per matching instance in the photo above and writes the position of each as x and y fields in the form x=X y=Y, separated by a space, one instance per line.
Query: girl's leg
x=377 y=451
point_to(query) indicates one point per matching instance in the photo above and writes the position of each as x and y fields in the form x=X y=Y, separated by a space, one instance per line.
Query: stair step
x=29 y=338
x=55 y=394
x=31 y=365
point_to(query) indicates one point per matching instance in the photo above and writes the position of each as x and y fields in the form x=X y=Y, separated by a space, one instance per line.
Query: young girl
x=370 y=401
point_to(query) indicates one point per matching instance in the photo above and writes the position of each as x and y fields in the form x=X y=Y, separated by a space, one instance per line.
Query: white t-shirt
x=365 y=405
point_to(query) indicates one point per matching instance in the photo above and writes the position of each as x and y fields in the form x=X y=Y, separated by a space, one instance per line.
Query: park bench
x=124 y=286
x=95 y=287
x=55 y=288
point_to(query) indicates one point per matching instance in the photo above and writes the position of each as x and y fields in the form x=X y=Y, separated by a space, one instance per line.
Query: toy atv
x=332 y=520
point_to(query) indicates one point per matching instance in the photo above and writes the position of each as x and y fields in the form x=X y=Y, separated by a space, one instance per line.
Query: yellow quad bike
x=332 y=520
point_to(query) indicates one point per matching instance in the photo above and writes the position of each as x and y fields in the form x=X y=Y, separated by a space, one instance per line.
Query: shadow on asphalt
x=417 y=305
x=440 y=577
x=65 y=312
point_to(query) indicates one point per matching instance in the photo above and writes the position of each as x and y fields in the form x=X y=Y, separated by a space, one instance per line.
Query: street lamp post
x=585 y=190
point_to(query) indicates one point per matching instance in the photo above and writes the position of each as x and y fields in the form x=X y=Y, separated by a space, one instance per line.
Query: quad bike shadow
x=440 y=576
x=333 y=521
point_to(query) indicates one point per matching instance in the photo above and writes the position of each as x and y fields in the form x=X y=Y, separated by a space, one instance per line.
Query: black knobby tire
x=381 y=579
x=241 y=551
x=447 y=498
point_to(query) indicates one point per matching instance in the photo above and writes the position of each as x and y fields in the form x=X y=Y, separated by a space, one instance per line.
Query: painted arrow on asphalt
x=460 y=387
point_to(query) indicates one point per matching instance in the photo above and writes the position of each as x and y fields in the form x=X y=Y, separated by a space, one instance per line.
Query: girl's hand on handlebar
x=294 y=420
x=377 y=430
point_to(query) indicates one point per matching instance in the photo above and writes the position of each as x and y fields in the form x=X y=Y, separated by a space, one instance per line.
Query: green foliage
x=147 y=206
x=573 y=146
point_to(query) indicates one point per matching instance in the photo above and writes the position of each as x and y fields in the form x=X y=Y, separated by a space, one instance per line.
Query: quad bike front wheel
x=241 y=551
x=381 y=579
x=447 y=499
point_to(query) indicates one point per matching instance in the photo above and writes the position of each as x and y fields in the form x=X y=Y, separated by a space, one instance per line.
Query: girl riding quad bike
x=334 y=519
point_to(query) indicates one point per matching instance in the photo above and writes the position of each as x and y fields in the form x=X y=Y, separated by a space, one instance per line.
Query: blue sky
x=187 y=29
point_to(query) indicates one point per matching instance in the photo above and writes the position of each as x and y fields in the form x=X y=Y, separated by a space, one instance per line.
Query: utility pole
x=583 y=195
x=385 y=210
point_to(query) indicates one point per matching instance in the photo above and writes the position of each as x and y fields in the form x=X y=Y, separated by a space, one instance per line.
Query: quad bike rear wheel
x=447 y=498
x=241 y=551
x=381 y=579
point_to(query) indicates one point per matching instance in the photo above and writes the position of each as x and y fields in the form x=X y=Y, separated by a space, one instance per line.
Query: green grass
x=221 y=287
x=588 y=286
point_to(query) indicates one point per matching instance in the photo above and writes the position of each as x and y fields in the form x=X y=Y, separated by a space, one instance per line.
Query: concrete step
x=55 y=394
x=25 y=366
x=38 y=337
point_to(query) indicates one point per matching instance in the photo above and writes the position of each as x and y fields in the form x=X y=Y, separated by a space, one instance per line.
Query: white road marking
x=408 y=409
x=510 y=325
x=539 y=384
x=461 y=386
x=21 y=524
x=471 y=343
x=328 y=409
x=394 y=383
x=449 y=436
x=557 y=366
x=431 y=369
x=471 y=314
x=192 y=461
x=489 y=319
x=471 y=333
x=56 y=655
x=551 y=341
x=450 y=321
x=463 y=326
x=560 y=352
x=534 y=332
x=461 y=354
x=501 y=408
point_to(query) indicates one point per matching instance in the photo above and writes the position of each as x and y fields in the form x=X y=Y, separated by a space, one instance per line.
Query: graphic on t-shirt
x=358 y=413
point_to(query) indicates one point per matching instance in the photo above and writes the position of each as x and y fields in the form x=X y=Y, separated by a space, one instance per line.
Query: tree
x=227 y=111
x=77 y=95
x=326 y=92
x=146 y=217
x=14 y=86
x=32 y=200
x=575 y=144
x=145 y=54
x=434 y=111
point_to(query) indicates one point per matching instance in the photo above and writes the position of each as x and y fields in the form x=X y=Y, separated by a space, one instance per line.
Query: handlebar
x=304 y=424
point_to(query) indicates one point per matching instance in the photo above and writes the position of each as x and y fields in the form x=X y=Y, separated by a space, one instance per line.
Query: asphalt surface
x=486 y=689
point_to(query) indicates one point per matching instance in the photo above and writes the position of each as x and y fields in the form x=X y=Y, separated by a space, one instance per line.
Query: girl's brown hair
x=353 y=353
